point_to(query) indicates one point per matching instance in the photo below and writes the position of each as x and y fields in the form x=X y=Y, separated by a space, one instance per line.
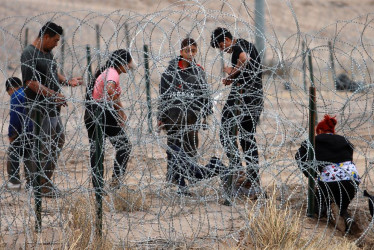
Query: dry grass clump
x=128 y=200
x=80 y=228
x=272 y=227
x=368 y=241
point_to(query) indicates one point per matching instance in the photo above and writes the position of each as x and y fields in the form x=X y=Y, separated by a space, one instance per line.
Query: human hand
x=60 y=99
x=122 y=121
x=75 y=81
x=226 y=81
x=227 y=70
x=159 y=125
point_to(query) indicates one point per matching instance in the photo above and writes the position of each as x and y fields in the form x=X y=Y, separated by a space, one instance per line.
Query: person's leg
x=191 y=142
x=173 y=122
x=228 y=137
x=175 y=160
x=95 y=158
x=13 y=162
x=340 y=193
x=322 y=198
x=28 y=160
x=52 y=138
x=123 y=147
x=247 y=130
x=347 y=191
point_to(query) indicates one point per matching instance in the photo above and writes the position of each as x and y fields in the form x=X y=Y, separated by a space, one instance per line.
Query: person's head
x=188 y=49
x=12 y=84
x=327 y=125
x=121 y=60
x=222 y=39
x=50 y=35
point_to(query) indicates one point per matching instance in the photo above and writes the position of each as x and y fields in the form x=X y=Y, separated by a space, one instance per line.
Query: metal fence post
x=147 y=85
x=312 y=120
x=97 y=29
x=98 y=169
x=62 y=54
x=26 y=37
x=37 y=180
x=303 y=53
x=332 y=64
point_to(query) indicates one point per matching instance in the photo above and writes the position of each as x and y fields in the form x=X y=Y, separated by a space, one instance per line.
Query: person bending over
x=338 y=179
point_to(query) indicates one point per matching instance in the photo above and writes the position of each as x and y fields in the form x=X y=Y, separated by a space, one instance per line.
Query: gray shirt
x=42 y=67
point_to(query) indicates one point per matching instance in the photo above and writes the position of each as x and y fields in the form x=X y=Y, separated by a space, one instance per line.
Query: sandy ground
x=171 y=221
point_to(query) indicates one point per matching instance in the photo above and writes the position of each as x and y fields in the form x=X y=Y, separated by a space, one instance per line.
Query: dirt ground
x=164 y=219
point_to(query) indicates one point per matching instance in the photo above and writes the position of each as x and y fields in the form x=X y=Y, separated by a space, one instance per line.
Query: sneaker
x=12 y=186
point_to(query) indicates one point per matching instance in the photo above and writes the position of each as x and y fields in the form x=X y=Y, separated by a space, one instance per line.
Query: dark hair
x=51 y=29
x=218 y=36
x=327 y=124
x=188 y=42
x=116 y=60
x=13 y=82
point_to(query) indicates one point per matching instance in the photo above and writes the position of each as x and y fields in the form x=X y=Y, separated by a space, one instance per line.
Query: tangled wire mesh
x=150 y=209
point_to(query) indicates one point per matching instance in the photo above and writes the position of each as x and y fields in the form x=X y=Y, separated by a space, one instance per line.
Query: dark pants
x=107 y=123
x=339 y=192
x=20 y=148
x=183 y=167
x=51 y=139
x=182 y=136
x=244 y=116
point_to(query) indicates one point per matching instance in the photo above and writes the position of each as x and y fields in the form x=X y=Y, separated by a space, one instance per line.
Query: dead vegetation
x=80 y=230
x=273 y=226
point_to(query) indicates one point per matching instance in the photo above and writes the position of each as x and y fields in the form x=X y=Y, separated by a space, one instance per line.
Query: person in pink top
x=104 y=110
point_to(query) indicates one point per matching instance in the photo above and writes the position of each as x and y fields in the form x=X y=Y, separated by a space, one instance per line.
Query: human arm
x=164 y=89
x=114 y=95
x=39 y=88
x=233 y=72
x=32 y=78
x=301 y=158
x=15 y=122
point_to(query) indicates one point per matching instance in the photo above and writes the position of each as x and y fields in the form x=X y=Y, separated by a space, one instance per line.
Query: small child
x=19 y=124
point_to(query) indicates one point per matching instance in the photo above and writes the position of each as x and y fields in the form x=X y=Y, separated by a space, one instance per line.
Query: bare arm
x=234 y=71
x=39 y=88
x=117 y=104
x=47 y=92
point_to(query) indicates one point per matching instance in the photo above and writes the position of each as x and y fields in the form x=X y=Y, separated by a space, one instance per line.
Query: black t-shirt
x=249 y=80
x=42 y=67
x=329 y=148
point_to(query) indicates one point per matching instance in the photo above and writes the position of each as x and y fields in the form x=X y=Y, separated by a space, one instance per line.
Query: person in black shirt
x=44 y=99
x=338 y=178
x=244 y=104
